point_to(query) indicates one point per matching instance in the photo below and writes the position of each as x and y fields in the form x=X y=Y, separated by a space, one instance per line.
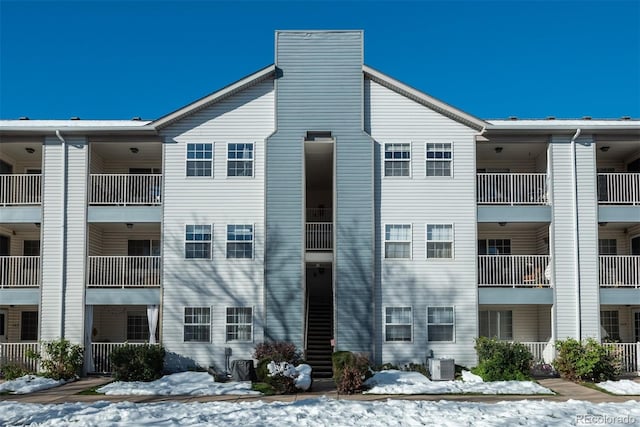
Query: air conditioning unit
x=442 y=369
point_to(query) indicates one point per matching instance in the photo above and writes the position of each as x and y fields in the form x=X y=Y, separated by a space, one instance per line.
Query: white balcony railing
x=101 y=352
x=319 y=236
x=629 y=354
x=620 y=270
x=537 y=349
x=513 y=270
x=619 y=188
x=319 y=215
x=512 y=188
x=15 y=353
x=124 y=271
x=125 y=189
x=20 y=189
x=19 y=271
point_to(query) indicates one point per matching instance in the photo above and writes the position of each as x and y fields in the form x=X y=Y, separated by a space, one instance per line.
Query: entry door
x=4 y=246
x=3 y=326
x=635 y=245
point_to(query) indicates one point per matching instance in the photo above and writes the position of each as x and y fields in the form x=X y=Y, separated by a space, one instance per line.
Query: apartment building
x=322 y=202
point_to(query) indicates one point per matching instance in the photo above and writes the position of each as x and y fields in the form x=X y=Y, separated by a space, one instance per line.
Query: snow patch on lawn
x=314 y=412
x=29 y=384
x=621 y=387
x=183 y=383
x=400 y=382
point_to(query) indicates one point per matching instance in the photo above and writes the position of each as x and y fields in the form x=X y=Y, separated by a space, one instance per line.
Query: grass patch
x=263 y=388
x=93 y=391
x=593 y=386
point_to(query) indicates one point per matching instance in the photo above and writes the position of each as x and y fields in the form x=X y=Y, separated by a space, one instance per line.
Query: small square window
x=439 y=241
x=197 y=324
x=398 y=324
x=607 y=247
x=197 y=241
x=137 y=327
x=240 y=159
x=239 y=324
x=440 y=324
x=239 y=241
x=397 y=159
x=199 y=159
x=397 y=241
x=439 y=159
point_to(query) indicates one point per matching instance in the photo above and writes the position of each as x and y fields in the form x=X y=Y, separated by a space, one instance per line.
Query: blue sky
x=117 y=60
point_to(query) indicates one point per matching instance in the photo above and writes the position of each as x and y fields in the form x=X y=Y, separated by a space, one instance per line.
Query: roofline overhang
x=562 y=130
x=78 y=130
x=427 y=100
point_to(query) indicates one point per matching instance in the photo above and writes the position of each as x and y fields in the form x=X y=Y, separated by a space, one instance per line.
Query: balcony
x=619 y=188
x=125 y=189
x=20 y=189
x=512 y=188
x=319 y=236
x=124 y=271
x=619 y=271
x=19 y=271
x=513 y=271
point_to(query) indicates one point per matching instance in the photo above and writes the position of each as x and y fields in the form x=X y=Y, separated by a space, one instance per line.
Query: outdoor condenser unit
x=442 y=369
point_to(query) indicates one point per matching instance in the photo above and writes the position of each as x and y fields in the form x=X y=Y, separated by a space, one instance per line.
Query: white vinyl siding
x=397 y=160
x=240 y=160
x=239 y=326
x=197 y=324
x=397 y=241
x=398 y=324
x=199 y=159
x=439 y=158
x=441 y=324
x=439 y=241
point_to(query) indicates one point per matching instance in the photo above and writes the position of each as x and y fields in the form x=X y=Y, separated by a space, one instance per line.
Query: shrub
x=588 y=361
x=350 y=370
x=60 y=360
x=137 y=362
x=416 y=367
x=501 y=360
x=385 y=367
x=278 y=351
x=11 y=371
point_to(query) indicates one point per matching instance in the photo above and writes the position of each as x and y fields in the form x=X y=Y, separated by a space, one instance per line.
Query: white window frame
x=252 y=241
x=453 y=325
x=184 y=324
x=410 y=241
x=385 y=160
x=384 y=317
x=210 y=241
x=238 y=324
x=253 y=156
x=187 y=160
x=427 y=160
x=427 y=241
x=498 y=314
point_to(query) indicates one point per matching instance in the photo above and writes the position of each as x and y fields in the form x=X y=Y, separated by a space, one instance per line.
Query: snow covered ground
x=322 y=411
x=29 y=384
x=400 y=382
x=183 y=383
x=621 y=387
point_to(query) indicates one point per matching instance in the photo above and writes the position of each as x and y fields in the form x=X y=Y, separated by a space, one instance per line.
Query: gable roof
x=424 y=99
x=216 y=96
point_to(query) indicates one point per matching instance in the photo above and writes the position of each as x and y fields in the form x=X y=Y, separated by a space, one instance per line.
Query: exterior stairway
x=319 y=334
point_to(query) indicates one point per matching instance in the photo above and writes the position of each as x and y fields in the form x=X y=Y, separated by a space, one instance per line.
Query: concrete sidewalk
x=69 y=393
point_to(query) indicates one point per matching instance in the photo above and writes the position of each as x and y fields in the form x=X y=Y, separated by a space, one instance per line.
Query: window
x=29 y=326
x=439 y=241
x=440 y=323
x=397 y=241
x=397 y=159
x=496 y=324
x=143 y=247
x=494 y=247
x=31 y=248
x=239 y=324
x=398 y=323
x=607 y=247
x=197 y=241
x=137 y=327
x=197 y=324
x=439 y=159
x=240 y=160
x=239 y=241
x=199 y=159
x=610 y=323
